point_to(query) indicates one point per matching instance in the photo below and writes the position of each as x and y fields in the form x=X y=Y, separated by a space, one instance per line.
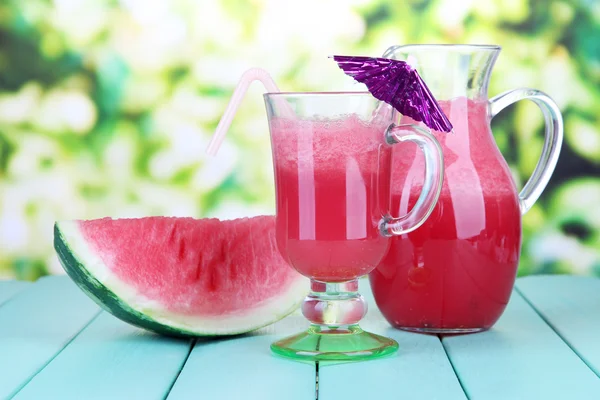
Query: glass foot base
x=442 y=331
x=348 y=343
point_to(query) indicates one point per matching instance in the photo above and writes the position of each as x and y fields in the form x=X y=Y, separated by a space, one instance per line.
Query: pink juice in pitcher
x=456 y=272
x=332 y=181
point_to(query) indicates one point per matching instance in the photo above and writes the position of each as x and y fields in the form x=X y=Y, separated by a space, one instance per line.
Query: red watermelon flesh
x=194 y=276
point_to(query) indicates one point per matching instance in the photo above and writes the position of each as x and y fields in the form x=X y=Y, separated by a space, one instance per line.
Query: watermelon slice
x=182 y=276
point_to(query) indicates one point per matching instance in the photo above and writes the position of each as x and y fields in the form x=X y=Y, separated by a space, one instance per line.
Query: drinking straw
x=246 y=79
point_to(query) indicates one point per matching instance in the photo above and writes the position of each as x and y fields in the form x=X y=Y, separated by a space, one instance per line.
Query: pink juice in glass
x=332 y=180
x=332 y=163
x=456 y=271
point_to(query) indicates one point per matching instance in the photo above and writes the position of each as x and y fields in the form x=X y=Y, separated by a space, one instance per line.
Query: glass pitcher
x=455 y=274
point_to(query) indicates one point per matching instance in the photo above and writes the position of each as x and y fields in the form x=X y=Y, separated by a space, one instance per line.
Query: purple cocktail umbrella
x=398 y=84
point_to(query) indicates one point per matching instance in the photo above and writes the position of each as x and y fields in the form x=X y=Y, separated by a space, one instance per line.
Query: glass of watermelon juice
x=332 y=163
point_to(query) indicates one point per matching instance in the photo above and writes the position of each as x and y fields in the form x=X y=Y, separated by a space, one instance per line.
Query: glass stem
x=334 y=305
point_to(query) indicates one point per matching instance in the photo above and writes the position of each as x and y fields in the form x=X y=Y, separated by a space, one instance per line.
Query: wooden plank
x=244 y=368
x=36 y=325
x=571 y=305
x=419 y=370
x=8 y=289
x=110 y=359
x=521 y=357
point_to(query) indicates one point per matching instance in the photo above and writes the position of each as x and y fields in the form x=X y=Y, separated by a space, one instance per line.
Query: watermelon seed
x=181 y=252
x=198 y=267
x=212 y=280
x=172 y=235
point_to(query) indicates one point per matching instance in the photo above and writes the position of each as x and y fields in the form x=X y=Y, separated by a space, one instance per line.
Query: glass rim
x=447 y=46
x=318 y=94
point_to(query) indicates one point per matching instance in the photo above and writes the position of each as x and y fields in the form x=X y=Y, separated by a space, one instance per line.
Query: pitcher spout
x=450 y=70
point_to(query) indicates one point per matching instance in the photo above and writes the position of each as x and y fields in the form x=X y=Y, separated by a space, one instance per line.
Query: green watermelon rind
x=110 y=301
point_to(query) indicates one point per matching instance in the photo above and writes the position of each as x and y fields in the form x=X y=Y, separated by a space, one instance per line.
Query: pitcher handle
x=432 y=183
x=552 y=143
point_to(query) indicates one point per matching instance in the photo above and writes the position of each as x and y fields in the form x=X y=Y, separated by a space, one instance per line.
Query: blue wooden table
x=55 y=343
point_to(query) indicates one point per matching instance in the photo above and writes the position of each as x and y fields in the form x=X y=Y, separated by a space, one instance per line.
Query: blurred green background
x=106 y=107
